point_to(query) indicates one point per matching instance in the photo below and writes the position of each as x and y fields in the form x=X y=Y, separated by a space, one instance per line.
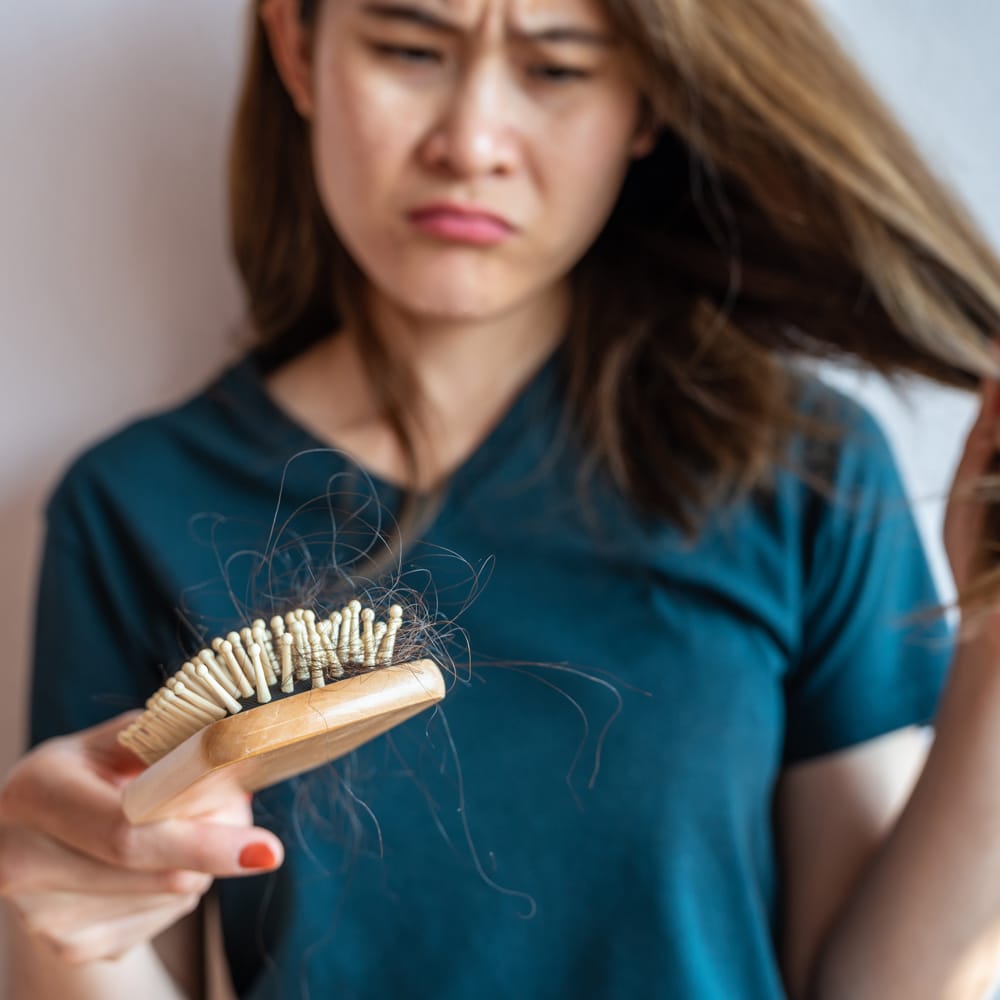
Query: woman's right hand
x=84 y=879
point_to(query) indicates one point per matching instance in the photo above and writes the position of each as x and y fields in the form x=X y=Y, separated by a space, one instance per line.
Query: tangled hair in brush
x=322 y=591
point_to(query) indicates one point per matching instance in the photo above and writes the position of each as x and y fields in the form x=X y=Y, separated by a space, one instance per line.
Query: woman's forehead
x=518 y=16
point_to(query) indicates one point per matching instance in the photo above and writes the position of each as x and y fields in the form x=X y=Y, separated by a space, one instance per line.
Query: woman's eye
x=407 y=53
x=558 y=74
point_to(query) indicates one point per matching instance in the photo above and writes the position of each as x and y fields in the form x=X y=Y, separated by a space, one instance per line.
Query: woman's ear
x=291 y=49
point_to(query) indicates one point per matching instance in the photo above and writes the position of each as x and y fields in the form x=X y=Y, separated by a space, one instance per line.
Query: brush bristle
x=256 y=663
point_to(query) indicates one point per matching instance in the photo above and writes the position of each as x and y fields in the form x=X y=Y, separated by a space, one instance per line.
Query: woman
x=458 y=223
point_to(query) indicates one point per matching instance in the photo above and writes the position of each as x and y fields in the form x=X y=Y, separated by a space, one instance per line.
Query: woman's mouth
x=460 y=224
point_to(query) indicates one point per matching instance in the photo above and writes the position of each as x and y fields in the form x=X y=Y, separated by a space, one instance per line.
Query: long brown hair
x=783 y=213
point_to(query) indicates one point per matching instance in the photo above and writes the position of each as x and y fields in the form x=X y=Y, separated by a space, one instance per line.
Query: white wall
x=116 y=294
x=115 y=291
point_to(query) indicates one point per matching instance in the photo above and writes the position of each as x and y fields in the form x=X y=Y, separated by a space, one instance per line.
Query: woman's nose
x=474 y=132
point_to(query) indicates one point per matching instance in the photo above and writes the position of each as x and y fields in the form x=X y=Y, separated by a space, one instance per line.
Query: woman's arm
x=831 y=813
x=923 y=918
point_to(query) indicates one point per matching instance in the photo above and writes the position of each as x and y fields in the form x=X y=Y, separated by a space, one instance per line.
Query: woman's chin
x=455 y=286
x=463 y=305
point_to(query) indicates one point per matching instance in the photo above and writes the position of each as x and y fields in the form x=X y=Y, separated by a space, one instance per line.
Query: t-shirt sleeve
x=875 y=646
x=85 y=667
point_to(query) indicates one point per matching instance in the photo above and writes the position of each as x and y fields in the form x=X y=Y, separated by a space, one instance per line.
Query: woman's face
x=469 y=151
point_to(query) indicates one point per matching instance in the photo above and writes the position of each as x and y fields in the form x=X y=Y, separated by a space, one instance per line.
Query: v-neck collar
x=265 y=416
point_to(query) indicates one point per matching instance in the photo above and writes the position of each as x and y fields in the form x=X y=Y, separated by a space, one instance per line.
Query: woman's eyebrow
x=410 y=14
x=567 y=33
x=419 y=15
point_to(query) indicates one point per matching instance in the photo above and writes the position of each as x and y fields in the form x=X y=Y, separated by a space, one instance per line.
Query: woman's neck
x=466 y=374
x=465 y=368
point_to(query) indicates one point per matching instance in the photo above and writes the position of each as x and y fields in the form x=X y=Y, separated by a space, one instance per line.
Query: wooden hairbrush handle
x=266 y=744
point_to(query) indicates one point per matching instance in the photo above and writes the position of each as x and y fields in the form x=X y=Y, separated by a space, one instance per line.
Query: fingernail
x=257 y=857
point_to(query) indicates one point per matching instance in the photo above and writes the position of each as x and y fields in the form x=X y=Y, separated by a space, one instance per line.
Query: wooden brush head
x=267 y=744
x=216 y=725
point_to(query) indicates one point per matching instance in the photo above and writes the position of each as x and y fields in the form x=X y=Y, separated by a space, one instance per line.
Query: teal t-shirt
x=589 y=814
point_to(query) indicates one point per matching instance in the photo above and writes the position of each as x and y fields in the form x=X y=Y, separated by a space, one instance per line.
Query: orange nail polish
x=257 y=857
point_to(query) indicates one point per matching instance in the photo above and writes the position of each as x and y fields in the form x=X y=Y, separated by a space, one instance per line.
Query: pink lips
x=461 y=225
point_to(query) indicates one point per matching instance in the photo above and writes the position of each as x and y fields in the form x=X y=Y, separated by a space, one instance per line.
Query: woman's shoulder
x=839 y=440
x=838 y=478
x=158 y=450
x=818 y=398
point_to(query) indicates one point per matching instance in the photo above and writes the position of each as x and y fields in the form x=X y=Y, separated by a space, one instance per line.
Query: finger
x=31 y=862
x=113 y=938
x=977 y=460
x=982 y=441
x=981 y=448
x=111 y=759
x=965 y=521
x=989 y=396
x=65 y=913
x=216 y=849
x=104 y=736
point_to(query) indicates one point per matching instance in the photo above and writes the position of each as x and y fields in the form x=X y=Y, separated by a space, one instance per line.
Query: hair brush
x=267 y=703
